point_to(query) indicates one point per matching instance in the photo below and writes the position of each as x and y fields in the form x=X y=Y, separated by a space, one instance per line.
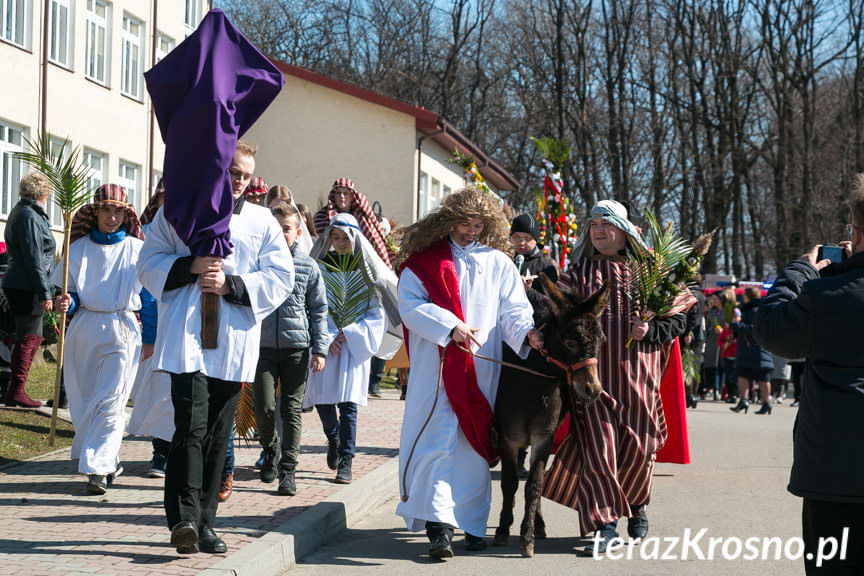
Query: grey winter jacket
x=301 y=321
x=31 y=248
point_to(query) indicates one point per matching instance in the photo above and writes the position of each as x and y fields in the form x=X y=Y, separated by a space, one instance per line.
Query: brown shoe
x=226 y=487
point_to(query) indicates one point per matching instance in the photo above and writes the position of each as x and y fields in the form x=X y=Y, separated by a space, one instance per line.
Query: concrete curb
x=279 y=550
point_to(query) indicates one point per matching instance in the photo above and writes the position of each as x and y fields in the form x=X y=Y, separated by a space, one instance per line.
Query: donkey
x=529 y=407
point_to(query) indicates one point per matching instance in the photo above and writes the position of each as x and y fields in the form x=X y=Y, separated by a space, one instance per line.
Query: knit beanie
x=525 y=223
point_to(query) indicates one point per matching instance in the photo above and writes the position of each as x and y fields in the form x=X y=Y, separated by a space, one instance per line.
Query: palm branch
x=244 y=416
x=729 y=311
x=349 y=288
x=70 y=178
x=690 y=365
x=557 y=152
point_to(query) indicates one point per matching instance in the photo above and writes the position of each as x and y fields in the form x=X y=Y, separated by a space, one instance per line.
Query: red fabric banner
x=677 y=447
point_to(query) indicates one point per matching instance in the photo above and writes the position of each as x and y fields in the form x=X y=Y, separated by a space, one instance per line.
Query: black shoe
x=474 y=543
x=113 y=476
x=63 y=404
x=765 y=409
x=742 y=405
x=184 y=536
x=210 y=543
x=97 y=484
x=637 y=525
x=440 y=540
x=731 y=400
x=287 y=486
x=602 y=537
x=794 y=403
x=333 y=452
x=270 y=466
x=343 y=474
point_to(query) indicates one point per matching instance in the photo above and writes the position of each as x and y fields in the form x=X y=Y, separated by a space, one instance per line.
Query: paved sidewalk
x=51 y=525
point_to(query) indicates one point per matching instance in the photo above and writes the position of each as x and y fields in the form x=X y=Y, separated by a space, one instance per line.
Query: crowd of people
x=467 y=285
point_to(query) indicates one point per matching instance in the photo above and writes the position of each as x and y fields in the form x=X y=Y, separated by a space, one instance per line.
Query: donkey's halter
x=569 y=369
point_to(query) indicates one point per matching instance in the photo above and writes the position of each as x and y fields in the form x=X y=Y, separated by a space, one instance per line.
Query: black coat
x=822 y=318
x=535 y=263
x=749 y=353
x=31 y=249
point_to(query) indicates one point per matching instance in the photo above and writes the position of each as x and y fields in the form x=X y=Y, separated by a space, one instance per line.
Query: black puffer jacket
x=31 y=249
x=821 y=318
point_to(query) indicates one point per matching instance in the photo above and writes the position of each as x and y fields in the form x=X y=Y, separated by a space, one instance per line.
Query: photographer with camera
x=816 y=310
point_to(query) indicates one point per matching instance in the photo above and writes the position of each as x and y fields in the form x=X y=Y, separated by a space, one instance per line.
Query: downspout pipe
x=46 y=9
x=151 y=152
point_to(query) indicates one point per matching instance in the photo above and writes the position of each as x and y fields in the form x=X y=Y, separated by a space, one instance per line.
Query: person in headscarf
x=356 y=332
x=103 y=341
x=256 y=191
x=307 y=220
x=153 y=412
x=344 y=198
x=458 y=286
x=605 y=471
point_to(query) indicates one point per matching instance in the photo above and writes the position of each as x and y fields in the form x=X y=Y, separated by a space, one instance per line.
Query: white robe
x=153 y=411
x=260 y=257
x=447 y=480
x=345 y=378
x=102 y=347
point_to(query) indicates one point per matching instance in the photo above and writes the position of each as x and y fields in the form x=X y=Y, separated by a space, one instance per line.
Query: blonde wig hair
x=35 y=186
x=464 y=205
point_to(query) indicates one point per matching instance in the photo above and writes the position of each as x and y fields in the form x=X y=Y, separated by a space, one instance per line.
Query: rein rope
x=568 y=369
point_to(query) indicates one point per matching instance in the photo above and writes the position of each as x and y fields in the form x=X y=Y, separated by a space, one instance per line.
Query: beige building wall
x=312 y=135
x=97 y=117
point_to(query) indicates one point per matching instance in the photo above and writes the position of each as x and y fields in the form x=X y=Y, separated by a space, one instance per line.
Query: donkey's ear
x=596 y=303
x=556 y=297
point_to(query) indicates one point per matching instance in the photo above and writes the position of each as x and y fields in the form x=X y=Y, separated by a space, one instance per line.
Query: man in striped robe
x=604 y=470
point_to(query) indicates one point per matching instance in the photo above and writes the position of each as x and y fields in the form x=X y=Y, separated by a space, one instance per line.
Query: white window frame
x=132 y=185
x=60 y=37
x=95 y=23
x=163 y=41
x=131 y=57
x=192 y=16
x=423 y=195
x=21 y=16
x=434 y=194
x=446 y=191
x=11 y=170
x=98 y=175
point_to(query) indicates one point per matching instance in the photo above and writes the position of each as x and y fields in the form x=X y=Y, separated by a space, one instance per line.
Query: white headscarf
x=616 y=214
x=382 y=277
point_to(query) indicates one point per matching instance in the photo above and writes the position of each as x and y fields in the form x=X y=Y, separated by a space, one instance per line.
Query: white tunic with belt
x=345 y=378
x=102 y=347
x=446 y=480
x=261 y=258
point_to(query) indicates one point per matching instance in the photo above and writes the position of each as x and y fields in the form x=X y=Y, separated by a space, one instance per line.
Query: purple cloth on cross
x=206 y=94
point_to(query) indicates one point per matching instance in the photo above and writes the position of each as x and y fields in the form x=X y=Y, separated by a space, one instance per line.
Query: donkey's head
x=572 y=334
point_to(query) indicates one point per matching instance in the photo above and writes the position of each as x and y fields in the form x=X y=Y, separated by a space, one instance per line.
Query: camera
x=832 y=252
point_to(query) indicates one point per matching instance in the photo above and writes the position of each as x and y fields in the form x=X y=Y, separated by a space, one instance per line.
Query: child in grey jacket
x=296 y=330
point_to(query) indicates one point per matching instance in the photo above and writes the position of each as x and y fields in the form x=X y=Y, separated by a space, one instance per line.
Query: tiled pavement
x=50 y=525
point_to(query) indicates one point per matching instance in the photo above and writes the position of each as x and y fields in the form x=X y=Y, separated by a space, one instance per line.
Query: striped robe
x=607 y=466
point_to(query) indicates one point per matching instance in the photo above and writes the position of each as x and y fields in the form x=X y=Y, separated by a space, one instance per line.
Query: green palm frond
x=349 y=288
x=729 y=311
x=690 y=365
x=659 y=276
x=557 y=152
x=65 y=169
x=465 y=161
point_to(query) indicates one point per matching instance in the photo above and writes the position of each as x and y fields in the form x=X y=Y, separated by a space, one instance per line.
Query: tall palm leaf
x=349 y=288
x=70 y=177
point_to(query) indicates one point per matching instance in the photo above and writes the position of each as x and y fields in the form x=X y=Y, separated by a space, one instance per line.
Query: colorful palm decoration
x=70 y=177
x=660 y=275
x=555 y=205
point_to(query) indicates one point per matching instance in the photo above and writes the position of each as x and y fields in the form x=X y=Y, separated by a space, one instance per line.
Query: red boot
x=22 y=357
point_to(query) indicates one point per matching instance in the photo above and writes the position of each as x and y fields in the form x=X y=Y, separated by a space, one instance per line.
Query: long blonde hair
x=464 y=205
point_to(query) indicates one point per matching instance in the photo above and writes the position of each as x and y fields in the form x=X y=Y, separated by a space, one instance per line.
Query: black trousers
x=820 y=520
x=203 y=413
